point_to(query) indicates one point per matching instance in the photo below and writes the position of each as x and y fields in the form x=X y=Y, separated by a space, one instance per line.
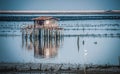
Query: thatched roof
x=45 y=18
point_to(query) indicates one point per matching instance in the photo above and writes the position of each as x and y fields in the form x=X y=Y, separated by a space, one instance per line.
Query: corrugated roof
x=44 y=18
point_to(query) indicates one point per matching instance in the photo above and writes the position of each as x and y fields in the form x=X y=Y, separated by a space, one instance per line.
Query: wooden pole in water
x=119 y=60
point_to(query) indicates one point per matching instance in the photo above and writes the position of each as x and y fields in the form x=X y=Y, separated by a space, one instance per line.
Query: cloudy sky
x=59 y=4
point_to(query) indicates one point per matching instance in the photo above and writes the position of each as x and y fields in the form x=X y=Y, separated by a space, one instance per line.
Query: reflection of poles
x=46 y=42
x=26 y=41
x=78 y=43
x=22 y=39
x=57 y=38
x=85 y=63
x=31 y=37
x=62 y=39
x=83 y=42
x=85 y=54
x=40 y=44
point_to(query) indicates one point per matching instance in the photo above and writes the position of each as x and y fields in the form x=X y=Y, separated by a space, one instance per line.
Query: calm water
x=83 y=42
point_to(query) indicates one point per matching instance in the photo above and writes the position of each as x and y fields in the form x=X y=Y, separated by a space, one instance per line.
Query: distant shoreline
x=62 y=18
x=60 y=12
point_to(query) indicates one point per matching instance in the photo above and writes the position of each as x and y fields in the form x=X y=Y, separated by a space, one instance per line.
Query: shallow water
x=82 y=41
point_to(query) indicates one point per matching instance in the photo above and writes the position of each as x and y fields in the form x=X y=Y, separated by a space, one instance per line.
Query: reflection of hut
x=46 y=22
x=44 y=42
x=45 y=45
x=45 y=52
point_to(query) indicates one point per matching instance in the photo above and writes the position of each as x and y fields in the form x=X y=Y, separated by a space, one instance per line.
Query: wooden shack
x=45 y=22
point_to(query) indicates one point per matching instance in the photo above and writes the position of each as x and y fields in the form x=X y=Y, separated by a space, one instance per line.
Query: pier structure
x=45 y=35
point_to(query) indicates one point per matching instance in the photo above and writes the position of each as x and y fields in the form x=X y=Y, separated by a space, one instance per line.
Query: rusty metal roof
x=45 y=18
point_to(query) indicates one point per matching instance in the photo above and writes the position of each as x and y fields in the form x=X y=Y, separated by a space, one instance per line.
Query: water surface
x=83 y=42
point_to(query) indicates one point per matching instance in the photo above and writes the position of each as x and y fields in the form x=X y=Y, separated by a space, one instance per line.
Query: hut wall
x=50 y=23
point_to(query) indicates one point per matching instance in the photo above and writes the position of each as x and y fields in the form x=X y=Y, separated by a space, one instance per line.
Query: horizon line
x=56 y=11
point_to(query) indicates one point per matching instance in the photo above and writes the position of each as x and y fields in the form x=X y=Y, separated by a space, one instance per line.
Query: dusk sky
x=59 y=4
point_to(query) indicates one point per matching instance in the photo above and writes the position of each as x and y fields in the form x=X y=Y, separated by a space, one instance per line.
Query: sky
x=59 y=4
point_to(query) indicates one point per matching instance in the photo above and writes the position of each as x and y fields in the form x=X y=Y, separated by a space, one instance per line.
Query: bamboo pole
x=119 y=60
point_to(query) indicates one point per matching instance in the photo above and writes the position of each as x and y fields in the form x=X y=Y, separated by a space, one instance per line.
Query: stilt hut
x=46 y=22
